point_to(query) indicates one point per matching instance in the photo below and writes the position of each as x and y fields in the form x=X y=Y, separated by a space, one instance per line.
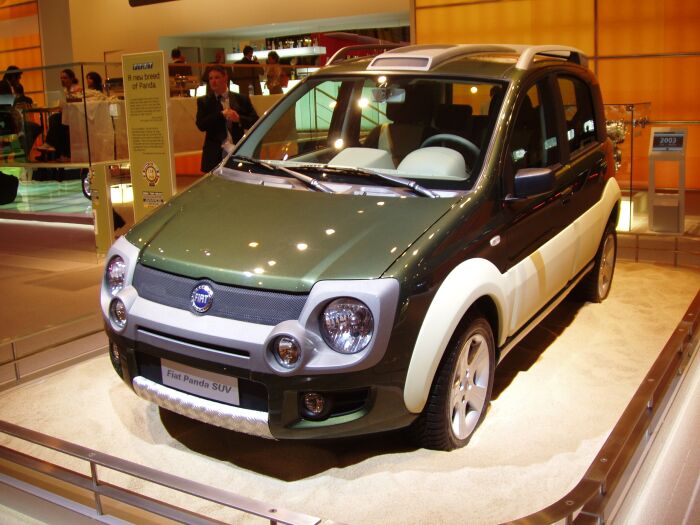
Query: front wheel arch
x=474 y=283
x=461 y=391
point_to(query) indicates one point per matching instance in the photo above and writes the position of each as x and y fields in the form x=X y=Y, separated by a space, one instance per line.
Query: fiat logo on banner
x=202 y=298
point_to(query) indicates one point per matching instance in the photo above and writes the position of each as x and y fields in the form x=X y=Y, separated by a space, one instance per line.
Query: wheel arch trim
x=465 y=285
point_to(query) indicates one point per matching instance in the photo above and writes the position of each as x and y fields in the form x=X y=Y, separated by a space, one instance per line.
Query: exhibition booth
x=593 y=417
x=574 y=414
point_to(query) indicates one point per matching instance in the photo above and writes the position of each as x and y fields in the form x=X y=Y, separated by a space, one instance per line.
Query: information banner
x=146 y=93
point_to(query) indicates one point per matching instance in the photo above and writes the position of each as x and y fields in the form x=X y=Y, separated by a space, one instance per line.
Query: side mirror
x=529 y=182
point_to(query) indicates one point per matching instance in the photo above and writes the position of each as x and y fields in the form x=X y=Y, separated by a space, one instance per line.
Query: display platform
x=558 y=394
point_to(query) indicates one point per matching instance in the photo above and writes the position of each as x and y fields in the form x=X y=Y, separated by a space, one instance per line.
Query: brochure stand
x=666 y=209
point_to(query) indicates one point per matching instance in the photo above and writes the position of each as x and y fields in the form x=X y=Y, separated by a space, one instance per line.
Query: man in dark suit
x=223 y=116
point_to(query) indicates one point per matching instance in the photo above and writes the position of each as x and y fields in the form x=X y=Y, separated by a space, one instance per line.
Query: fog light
x=287 y=351
x=117 y=312
x=114 y=351
x=114 y=358
x=315 y=404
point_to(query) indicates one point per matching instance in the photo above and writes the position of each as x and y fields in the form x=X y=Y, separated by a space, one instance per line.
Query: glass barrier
x=56 y=122
x=625 y=124
x=659 y=189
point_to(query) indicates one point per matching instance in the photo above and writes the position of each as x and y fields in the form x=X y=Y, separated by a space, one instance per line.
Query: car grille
x=230 y=302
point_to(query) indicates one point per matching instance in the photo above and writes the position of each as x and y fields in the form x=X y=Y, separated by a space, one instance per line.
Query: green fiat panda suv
x=373 y=247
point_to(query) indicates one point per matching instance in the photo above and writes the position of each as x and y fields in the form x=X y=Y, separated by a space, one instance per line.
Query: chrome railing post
x=95 y=483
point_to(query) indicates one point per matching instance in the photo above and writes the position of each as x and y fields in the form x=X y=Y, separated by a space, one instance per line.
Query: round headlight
x=115 y=274
x=117 y=312
x=347 y=325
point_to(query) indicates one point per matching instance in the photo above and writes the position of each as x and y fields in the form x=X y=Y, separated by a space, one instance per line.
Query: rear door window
x=578 y=113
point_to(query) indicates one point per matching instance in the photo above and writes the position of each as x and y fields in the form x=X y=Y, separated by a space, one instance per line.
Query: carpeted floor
x=557 y=396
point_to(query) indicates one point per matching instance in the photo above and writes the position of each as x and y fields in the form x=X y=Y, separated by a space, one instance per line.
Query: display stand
x=666 y=209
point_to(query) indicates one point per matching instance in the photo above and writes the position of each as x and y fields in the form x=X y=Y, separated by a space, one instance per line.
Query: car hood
x=256 y=236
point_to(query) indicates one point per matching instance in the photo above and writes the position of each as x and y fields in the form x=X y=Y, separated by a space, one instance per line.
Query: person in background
x=248 y=75
x=58 y=135
x=29 y=130
x=177 y=56
x=274 y=75
x=10 y=124
x=71 y=88
x=179 y=65
x=223 y=116
x=12 y=76
x=94 y=88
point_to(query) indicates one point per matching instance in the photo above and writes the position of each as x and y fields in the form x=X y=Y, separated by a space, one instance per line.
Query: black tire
x=595 y=286
x=461 y=391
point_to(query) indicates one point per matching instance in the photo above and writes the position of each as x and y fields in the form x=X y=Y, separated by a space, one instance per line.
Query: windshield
x=433 y=131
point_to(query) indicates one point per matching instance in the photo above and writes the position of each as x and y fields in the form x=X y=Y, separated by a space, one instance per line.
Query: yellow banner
x=146 y=93
x=101 y=206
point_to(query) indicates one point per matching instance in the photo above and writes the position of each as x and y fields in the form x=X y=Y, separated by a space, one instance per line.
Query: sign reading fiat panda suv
x=373 y=247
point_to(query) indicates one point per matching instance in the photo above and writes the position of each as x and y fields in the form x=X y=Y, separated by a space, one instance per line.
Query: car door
x=540 y=257
x=583 y=173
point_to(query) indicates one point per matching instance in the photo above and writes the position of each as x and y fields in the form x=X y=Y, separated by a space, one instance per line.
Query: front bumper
x=270 y=406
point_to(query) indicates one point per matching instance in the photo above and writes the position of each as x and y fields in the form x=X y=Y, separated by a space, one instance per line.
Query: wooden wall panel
x=19 y=11
x=630 y=27
x=474 y=23
x=22 y=58
x=20 y=44
x=508 y=21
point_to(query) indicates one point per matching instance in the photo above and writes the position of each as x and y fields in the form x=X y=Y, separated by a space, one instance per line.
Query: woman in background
x=274 y=74
x=94 y=88
x=71 y=88
x=58 y=135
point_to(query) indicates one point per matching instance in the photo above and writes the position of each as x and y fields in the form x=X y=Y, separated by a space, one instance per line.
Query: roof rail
x=348 y=51
x=528 y=53
x=427 y=57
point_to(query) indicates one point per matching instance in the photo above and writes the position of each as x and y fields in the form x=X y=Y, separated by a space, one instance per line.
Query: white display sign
x=201 y=383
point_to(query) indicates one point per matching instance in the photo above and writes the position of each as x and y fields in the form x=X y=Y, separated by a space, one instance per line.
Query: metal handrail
x=595 y=493
x=99 y=488
x=15 y=358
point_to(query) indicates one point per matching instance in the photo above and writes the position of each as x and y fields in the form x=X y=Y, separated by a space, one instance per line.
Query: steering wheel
x=459 y=143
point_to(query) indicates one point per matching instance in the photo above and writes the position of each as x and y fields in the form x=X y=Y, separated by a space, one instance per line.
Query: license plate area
x=201 y=383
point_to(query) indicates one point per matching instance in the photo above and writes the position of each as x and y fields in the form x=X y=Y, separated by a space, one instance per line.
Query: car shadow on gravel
x=528 y=351
x=288 y=460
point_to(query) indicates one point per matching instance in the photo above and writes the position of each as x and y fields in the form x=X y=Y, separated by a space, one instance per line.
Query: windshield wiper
x=309 y=181
x=399 y=181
